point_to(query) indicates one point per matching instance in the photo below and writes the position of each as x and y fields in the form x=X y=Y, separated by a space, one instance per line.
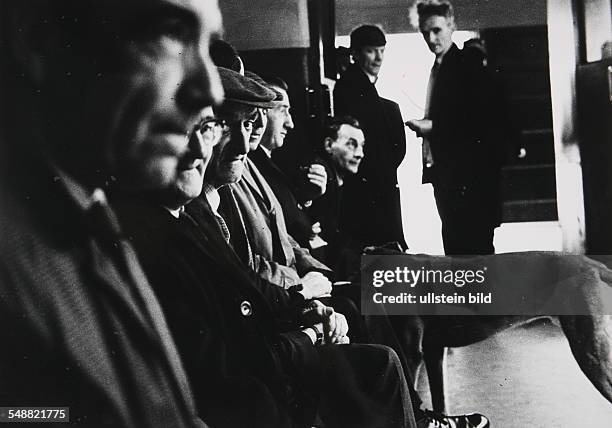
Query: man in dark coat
x=462 y=129
x=95 y=94
x=373 y=195
x=280 y=122
x=341 y=155
x=250 y=366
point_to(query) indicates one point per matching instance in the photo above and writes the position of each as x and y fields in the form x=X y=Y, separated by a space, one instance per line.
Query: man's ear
x=327 y=144
x=28 y=43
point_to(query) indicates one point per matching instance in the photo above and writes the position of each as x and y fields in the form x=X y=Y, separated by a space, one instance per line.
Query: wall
x=266 y=24
x=568 y=167
x=393 y=15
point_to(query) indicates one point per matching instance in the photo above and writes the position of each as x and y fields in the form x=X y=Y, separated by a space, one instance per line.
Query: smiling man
x=342 y=155
x=96 y=91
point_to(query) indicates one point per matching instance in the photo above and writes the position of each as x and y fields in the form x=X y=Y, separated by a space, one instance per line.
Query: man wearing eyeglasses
x=249 y=365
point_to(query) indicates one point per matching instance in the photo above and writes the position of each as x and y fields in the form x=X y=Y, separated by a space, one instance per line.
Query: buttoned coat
x=226 y=333
x=278 y=258
x=468 y=125
x=248 y=364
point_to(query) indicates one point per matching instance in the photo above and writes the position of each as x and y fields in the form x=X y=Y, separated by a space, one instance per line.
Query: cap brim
x=262 y=104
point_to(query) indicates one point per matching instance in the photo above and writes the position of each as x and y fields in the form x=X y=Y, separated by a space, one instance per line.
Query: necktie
x=428 y=160
x=223 y=227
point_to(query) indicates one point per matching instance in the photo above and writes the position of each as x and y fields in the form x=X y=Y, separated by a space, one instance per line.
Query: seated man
x=245 y=212
x=299 y=224
x=341 y=156
x=271 y=252
x=88 y=95
x=246 y=367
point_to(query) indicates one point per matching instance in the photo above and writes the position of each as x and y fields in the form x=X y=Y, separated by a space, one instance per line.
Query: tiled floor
x=525 y=377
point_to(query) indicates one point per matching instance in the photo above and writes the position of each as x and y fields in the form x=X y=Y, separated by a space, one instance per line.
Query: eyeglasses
x=211 y=130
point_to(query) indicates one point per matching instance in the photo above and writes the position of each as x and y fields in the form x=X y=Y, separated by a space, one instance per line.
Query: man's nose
x=379 y=56
x=431 y=37
x=358 y=152
x=201 y=86
x=259 y=120
x=196 y=145
x=289 y=122
x=241 y=142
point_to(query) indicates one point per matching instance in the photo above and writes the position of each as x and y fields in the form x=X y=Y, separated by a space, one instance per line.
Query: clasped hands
x=325 y=319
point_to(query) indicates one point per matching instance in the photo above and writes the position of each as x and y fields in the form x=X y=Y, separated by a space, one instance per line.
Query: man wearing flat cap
x=248 y=364
x=371 y=206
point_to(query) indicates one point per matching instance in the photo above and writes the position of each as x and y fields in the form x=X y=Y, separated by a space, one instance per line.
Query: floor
x=524 y=377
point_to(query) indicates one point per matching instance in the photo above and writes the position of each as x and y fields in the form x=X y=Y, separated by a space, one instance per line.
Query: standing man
x=460 y=130
x=372 y=198
x=95 y=93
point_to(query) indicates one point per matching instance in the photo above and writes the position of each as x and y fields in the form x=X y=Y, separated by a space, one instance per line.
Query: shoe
x=438 y=420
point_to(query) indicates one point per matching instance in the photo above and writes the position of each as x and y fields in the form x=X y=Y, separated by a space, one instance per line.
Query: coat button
x=246 y=308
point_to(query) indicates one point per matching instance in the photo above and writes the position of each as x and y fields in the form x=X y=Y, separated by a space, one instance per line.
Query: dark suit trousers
x=379 y=329
x=468 y=220
x=363 y=386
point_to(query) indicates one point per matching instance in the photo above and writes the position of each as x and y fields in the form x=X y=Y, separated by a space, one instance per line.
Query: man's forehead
x=349 y=131
x=206 y=12
x=434 y=21
x=236 y=114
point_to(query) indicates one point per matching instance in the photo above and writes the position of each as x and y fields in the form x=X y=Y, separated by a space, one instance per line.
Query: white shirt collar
x=175 y=213
x=267 y=151
x=80 y=194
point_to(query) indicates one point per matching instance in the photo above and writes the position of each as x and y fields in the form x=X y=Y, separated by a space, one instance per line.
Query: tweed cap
x=244 y=90
x=279 y=97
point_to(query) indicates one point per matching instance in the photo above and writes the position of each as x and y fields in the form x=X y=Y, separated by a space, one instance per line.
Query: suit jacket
x=466 y=138
x=299 y=224
x=277 y=257
x=81 y=326
x=326 y=209
x=372 y=204
x=240 y=361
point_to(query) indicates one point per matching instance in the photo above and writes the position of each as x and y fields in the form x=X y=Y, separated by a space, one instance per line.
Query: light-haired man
x=462 y=137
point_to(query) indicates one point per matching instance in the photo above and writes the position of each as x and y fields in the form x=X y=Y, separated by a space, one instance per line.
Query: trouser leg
x=468 y=221
x=364 y=386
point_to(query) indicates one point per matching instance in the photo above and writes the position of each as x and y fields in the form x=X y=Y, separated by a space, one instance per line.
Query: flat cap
x=278 y=99
x=244 y=90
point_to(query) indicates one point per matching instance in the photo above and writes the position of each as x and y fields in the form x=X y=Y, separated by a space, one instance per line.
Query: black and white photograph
x=306 y=213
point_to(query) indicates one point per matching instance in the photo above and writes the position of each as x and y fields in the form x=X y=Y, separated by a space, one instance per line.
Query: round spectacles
x=211 y=130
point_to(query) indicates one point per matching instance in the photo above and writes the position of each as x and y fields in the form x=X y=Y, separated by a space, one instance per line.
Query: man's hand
x=422 y=127
x=334 y=324
x=317 y=176
x=315 y=284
